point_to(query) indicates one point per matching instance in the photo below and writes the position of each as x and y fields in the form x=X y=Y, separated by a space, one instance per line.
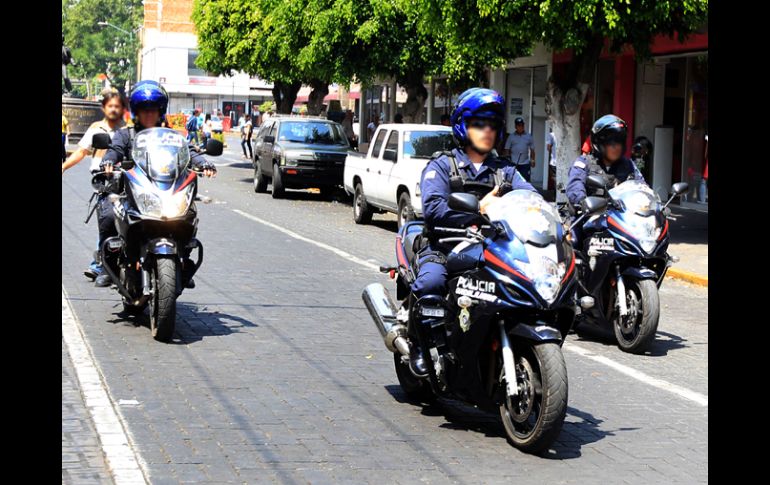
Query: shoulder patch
x=579 y=164
x=430 y=174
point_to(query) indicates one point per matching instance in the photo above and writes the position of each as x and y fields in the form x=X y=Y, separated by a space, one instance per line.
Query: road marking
x=338 y=252
x=631 y=372
x=122 y=460
x=680 y=391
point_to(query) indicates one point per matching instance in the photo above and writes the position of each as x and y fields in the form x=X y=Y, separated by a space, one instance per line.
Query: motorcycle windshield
x=161 y=153
x=637 y=197
x=528 y=215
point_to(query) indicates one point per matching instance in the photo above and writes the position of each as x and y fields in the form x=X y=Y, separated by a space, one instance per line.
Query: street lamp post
x=130 y=34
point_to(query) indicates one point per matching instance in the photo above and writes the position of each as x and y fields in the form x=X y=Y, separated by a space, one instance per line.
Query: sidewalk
x=689 y=241
x=82 y=460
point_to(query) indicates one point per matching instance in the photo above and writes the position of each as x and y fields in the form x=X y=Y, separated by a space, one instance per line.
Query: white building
x=169 y=50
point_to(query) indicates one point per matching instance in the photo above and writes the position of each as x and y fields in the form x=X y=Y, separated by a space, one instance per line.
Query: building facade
x=168 y=54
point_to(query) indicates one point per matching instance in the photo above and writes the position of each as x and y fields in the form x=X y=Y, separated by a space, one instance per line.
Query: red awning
x=328 y=97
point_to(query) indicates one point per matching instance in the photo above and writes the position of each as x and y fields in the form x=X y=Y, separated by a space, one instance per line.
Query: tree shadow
x=663 y=343
x=242 y=165
x=193 y=323
x=580 y=427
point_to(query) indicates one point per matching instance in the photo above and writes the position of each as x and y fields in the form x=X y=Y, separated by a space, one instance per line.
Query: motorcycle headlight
x=546 y=276
x=645 y=230
x=176 y=205
x=148 y=203
x=163 y=205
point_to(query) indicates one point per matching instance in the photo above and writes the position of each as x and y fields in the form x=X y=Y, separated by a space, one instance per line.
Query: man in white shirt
x=113 y=105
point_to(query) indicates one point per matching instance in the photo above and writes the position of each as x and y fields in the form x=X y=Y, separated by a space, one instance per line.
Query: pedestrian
x=445 y=119
x=520 y=146
x=399 y=118
x=113 y=107
x=347 y=125
x=206 y=129
x=246 y=131
x=551 y=146
x=192 y=127
x=65 y=131
x=586 y=148
x=703 y=193
x=372 y=127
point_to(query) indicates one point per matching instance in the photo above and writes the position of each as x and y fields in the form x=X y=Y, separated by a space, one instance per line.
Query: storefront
x=672 y=111
x=664 y=100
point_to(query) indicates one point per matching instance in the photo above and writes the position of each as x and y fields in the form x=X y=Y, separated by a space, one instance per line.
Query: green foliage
x=98 y=49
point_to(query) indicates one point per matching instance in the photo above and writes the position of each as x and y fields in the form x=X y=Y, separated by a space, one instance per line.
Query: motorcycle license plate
x=115 y=244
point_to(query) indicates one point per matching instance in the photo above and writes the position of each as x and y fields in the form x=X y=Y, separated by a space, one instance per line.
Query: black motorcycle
x=153 y=197
x=495 y=340
x=622 y=260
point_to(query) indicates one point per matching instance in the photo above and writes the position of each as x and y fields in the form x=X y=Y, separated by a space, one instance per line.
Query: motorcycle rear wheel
x=534 y=417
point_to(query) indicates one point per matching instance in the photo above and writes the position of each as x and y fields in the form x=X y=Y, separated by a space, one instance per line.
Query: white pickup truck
x=387 y=179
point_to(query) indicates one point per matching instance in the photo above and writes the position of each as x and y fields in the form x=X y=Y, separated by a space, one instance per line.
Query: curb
x=687 y=276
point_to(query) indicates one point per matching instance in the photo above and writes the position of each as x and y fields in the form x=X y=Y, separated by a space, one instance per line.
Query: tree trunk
x=564 y=112
x=563 y=101
x=284 y=95
x=315 y=100
x=416 y=94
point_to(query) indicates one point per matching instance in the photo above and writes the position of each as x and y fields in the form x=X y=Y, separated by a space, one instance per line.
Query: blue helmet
x=477 y=103
x=148 y=94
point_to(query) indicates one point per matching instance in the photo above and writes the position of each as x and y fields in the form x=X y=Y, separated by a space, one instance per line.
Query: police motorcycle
x=153 y=195
x=622 y=259
x=495 y=340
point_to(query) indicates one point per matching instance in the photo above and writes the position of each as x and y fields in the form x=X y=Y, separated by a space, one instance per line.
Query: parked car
x=387 y=179
x=297 y=153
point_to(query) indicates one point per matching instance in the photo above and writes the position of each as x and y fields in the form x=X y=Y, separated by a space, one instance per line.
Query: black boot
x=417 y=361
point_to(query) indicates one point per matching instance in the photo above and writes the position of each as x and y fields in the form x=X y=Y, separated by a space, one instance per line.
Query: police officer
x=520 y=146
x=148 y=102
x=608 y=142
x=478 y=124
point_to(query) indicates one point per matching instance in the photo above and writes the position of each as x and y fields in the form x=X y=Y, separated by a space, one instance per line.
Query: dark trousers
x=525 y=170
x=246 y=143
x=431 y=275
x=105 y=217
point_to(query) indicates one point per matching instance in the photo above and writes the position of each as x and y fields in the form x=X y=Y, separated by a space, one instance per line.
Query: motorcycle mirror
x=679 y=188
x=214 y=148
x=592 y=205
x=101 y=141
x=464 y=202
x=596 y=181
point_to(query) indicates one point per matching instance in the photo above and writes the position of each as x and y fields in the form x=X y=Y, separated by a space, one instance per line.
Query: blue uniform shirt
x=435 y=188
x=623 y=169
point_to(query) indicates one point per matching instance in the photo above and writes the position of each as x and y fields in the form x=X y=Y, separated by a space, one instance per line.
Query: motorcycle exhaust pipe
x=383 y=312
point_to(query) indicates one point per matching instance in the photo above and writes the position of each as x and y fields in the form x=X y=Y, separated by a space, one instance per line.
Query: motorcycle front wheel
x=163 y=300
x=534 y=417
x=635 y=332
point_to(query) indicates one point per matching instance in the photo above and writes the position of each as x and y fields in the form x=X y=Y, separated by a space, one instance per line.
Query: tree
x=98 y=49
x=496 y=30
x=286 y=42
